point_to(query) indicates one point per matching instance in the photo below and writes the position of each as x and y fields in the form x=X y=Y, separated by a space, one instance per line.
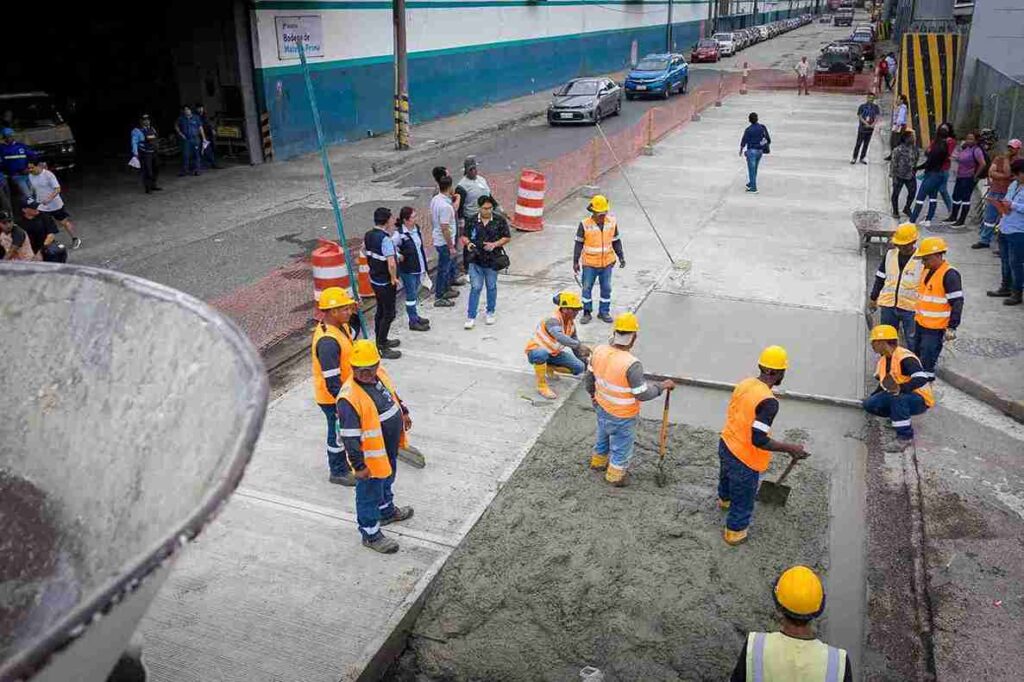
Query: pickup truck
x=37 y=122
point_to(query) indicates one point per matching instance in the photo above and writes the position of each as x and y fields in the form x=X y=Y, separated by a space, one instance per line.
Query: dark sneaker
x=425 y=321
x=382 y=544
x=76 y=243
x=390 y=354
x=1001 y=292
x=853 y=161
x=585 y=318
x=348 y=480
x=605 y=317
x=419 y=326
x=864 y=162
x=451 y=293
x=1014 y=299
x=401 y=514
x=393 y=343
x=980 y=245
x=444 y=303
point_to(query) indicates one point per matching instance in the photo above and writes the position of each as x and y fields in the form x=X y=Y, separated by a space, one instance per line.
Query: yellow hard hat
x=774 y=357
x=568 y=299
x=626 y=322
x=799 y=593
x=930 y=245
x=599 y=204
x=365 y=354
x=905 y=234
x=884 y=332
x=334 y=297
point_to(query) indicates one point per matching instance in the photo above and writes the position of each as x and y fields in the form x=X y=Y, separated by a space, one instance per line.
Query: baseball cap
x=470 y=162
x=7 y=132
x=5 y=217
x=1015 y=143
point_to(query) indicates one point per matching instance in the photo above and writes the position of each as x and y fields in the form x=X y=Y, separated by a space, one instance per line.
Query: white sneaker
x=470 y=323
x=489 y=319
x=925 y=223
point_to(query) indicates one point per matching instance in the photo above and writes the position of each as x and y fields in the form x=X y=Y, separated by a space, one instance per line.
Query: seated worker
x=554 y=346
x=903 y=389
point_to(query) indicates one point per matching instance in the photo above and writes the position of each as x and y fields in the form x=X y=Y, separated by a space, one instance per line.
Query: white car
x=726 y=43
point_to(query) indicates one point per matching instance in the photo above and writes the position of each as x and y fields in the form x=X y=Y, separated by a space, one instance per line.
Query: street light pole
x=401 y=101
x=668 y=32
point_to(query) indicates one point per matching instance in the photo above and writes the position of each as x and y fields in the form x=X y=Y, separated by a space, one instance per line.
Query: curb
x=1011 y=408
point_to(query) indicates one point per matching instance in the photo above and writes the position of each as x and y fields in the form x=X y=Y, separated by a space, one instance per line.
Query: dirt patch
x=564 y=571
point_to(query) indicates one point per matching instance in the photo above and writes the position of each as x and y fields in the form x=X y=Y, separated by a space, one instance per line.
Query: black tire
x=618 y=108
x=667 y=93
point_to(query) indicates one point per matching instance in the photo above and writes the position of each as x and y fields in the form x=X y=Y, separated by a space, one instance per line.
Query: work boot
x=444 y=303
x=1014 y=299
x=605 y=317
x=735 y=537
x=980 y=245
x=401 y=514
x=1002 y=292
x=389 y=353
x=424 y=321
x=897 y=445
x=585 y=318
x=541 y=371
x=724 y=504
x=419 y=326
x=348 y=480
x=616 y=476
x=451 y=293
x=598 y=462
x=382 y=544
x=393 y=343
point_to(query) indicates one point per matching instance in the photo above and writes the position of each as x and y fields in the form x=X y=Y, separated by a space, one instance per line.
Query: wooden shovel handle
x=663 y=437
x=792 y=463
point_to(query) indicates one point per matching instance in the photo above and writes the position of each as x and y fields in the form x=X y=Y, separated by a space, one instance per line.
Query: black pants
x=897 y=185
x=962 y=191
x=149 y=169
x=863 y=140
x=385 y=313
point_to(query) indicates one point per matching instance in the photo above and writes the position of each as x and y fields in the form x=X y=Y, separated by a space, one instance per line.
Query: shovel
x=773 y=492
x=659 y=477
x=411 y=455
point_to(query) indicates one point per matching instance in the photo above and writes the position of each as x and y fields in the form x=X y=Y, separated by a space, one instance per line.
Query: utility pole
x=668 y=32
x=401 y=103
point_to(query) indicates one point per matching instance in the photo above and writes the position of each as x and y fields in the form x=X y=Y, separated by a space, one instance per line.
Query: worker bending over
x=331 y=351
x=555 y=346
x=597 y=248
x=617 y=386
x=895 y=289
x=745 y=448
x=373 y=422
x=793 y=654
x=940 y=303
x=903 y=387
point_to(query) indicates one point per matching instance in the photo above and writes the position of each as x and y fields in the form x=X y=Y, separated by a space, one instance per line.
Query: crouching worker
x=903 y=388
x=555 y=346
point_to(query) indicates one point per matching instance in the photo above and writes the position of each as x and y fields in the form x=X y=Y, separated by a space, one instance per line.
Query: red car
x=705 y=51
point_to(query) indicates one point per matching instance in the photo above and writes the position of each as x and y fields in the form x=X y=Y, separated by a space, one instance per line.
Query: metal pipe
x=401 y=103
x=668 y=33
x=792 y=395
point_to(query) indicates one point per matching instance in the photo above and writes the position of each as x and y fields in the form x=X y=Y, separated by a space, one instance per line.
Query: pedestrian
x=412 y=265
x=940 y=303
x=145 y=144
x=15 y=156
x=755 y=143
x=867 y=115
x=898 y=123
x=793 y=653
x=999 y=179
x=381 y=258
x=14 y=241
x=904 y=159
x=555 y=347
x=896 y=281
x=970 y=166
x=890 y=75
x=471 y=187
x=1011 y=237
x=445 y=228
x=46 y=191
x=484 y=241
x=373 y=421
x=617 y=385
x=802 y=70
x=951 y=149
x=42 y=232
x=190 y=131
x=332 y=357
x=935 y=157
x=881 y=74
x=208 y=149
x=597 y=249
x=903 y=388
x=745 y=447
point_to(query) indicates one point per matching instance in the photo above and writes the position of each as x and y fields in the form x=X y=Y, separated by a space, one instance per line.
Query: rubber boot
x=382 y=544
x=542 y=381
x=616 y=476
x=735 y=537
x=724 y=504
x=598 y=462
x=401 y=514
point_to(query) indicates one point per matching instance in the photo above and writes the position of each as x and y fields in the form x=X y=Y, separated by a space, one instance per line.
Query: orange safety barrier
x=363 y=278
x=529 y=216
x=329 y=269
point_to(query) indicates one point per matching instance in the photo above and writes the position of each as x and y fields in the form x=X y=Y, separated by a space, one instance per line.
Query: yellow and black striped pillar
x=927 y=74
x=268 y=143
x=402 y=122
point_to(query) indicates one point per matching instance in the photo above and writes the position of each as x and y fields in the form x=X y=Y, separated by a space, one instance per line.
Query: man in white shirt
x=802 y=69
x=445 y=229
x=47 y=192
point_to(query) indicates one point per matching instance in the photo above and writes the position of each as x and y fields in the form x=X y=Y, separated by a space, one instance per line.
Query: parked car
x=866 y=40
x=857 y=52
x=835 y=59
x=585 y=100
x=658 y=74
x=37 y=122
x=726 y=43
x=705 y=51
x=843 y=17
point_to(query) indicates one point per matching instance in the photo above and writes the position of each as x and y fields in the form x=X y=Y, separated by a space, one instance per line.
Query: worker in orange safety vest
x=331 y=350
x=554 y=346
x=597 y=249
x=903 y=387
x=940 y=303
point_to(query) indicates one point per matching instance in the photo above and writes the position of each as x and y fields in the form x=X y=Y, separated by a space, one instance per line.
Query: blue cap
x=7 y=132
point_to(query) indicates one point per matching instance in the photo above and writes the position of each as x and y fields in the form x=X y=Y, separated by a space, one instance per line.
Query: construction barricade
x=529 y=216
x=363 y=278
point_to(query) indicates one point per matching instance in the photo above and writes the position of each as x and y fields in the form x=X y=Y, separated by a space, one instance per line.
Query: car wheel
x=630 y=97
x=667 y=92
x=618 y=107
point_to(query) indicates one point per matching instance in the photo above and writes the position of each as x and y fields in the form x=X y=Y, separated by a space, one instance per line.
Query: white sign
x=290 y=30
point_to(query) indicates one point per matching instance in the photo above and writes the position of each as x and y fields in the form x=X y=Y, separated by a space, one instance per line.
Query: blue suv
x=658 y=74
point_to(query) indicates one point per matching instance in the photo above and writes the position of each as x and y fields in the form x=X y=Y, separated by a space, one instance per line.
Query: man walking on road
x=1011 y=238
x=332 y=355
x=381 y=259
x=445 y=228
x=940 y=303
x=144 y=149
x=597 y=249
x=745 y=448
x=46 y=190
x=896 y=282
x=802 y=70
x=999 y=179
x=617 y=386
x=190 y=131
x=555 y=346
x=867 y=115
x=755 y=143
x=903 y=388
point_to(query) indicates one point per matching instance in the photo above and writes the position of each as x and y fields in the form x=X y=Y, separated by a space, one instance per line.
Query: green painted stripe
x=428 y=4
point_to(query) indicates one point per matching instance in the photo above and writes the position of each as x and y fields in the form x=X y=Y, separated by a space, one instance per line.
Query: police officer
x=381 y=257
x=15 y=156
x=144 y=149
x=332 y=353
x=597 y=249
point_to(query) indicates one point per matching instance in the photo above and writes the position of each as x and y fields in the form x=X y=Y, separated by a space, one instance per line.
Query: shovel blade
x=773 y=493
x=411 y=455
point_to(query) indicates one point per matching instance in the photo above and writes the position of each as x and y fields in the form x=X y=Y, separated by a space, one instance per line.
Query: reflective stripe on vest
x=611 y=386
x=777 y=658
x=900 y=288
x=597 y=243
x=933 y=307
x=741 y=417
x=896 y=369
x=542 y=339
x=371 y=436
x=344 y=371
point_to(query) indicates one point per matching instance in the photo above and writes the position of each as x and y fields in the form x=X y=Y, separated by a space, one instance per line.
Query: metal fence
x=996 y=101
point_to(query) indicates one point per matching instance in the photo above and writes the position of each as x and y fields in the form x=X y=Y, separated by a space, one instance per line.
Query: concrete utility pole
x=401 y=103
x=668 y=32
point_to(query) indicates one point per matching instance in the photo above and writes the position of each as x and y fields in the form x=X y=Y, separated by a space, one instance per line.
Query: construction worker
x=903 y=389
x=744 y=450
x=554 y=346
x=617 y=386
x=331 y=351
x=793 y=653
x=597 y=248
x=373 y=421
x=940 y=303
x=895 y=289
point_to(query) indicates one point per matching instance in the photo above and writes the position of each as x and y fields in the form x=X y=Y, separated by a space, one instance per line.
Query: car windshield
x=652 y=65
x=580 y=88
x=726 y=37
x=707 y=43
x=862 y=37
x=834 y=56
x=22 y=113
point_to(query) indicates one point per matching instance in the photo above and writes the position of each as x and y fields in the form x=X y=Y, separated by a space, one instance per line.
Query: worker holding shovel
x=744 y=450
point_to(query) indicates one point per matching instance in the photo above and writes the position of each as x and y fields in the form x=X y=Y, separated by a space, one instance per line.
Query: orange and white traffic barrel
x=529 y=216
x=365 y=288
x=329 y=269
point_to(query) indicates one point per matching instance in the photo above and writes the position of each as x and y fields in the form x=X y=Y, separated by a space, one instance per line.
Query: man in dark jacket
x=755 y=143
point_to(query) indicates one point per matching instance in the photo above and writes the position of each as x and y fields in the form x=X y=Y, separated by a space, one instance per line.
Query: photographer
x=485 y=235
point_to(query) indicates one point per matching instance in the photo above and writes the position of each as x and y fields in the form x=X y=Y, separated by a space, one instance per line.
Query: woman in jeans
x=970 y=163
x=484 y=237
x=951 y=148
x=902 y=169
x=412 y=264
x=934 y=177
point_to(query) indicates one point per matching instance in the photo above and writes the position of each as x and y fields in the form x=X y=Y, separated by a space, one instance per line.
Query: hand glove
x=950 y=334
x=622 y=263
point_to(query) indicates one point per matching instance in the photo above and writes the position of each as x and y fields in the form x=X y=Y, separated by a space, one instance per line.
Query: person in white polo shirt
x=47 y=193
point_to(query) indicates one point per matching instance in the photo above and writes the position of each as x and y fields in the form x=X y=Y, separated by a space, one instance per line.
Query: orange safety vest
x=740 y=418
x=375 y=454
x=611 y=387
x=933 y=307
x=597 y=242
x=542 y=339
x=320 y=392
x=896 y=369
x=900 y=288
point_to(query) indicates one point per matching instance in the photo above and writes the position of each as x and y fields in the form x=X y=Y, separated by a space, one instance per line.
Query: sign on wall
x=290 y=30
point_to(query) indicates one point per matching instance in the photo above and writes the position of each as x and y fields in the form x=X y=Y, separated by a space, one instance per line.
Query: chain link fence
x=995 y=101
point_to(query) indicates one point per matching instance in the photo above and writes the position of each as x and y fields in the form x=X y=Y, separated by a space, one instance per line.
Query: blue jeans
x=336 y=462
x=990 y=219
x=478 y=278
x=896 y=317
x=929 y=189
x=567 y=359
x=927 y=347
x=1004 y=262
x=944 y=190
x=753 y=160
x=190 y=156
x=604 y=277
x=446 y=271
x=411 y=286
x=1013 y=244
x=615 y=436
x=737 y=484
x=23 y=184
x=898 y=408
x=374 y=501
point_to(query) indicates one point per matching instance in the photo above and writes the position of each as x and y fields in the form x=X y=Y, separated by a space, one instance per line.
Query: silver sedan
x=585 y=100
